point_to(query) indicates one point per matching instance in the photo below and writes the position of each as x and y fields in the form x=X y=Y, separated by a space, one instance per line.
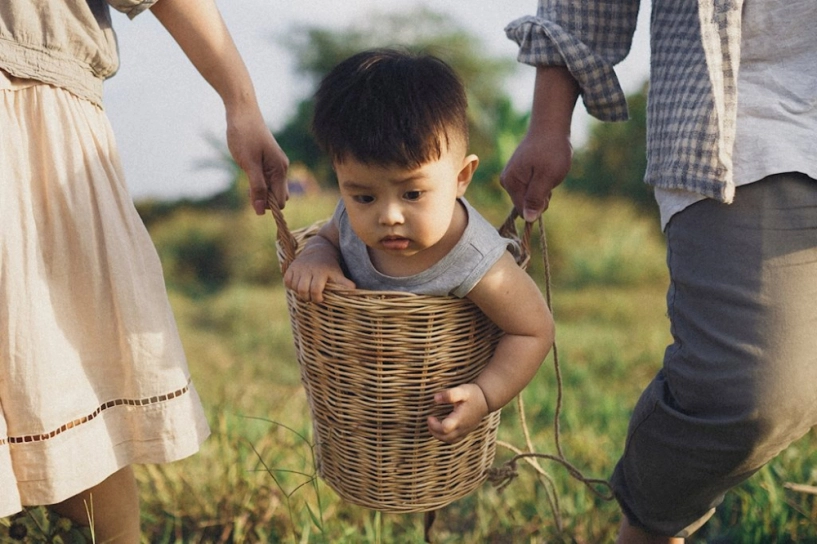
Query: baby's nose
x=391 y=214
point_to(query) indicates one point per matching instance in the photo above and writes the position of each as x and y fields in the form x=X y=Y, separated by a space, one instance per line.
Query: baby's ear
x=466 y=174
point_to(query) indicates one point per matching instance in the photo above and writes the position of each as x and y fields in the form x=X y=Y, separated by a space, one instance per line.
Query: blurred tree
x=613 y=161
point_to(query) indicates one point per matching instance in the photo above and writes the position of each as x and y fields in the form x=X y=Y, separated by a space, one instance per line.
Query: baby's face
x=404 y=212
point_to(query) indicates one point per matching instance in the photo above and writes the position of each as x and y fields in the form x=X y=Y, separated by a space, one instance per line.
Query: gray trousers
x=739 y=382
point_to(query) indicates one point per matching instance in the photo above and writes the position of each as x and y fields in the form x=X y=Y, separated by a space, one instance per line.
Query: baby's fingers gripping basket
x=371 y=362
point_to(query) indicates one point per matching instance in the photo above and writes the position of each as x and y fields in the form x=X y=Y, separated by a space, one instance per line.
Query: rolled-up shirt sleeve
x=589 y=38
x=131 y=8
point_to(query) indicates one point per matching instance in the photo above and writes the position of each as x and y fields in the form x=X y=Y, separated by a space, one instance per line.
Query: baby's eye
x=363 y=199
x=412 y=195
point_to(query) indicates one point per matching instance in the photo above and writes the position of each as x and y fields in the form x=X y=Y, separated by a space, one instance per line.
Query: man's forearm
x=554 y=98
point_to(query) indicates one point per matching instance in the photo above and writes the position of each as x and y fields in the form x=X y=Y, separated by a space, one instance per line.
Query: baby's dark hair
x=390 y=107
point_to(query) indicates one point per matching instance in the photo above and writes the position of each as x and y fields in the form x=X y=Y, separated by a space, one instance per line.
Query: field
x=254 y=479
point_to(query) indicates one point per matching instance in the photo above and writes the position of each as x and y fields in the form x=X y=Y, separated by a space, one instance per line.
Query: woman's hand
x=255 y=150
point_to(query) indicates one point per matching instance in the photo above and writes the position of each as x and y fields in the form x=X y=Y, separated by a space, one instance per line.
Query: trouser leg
x=738 y=383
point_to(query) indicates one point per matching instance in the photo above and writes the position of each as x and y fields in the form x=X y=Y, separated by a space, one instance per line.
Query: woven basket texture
x=370 y=363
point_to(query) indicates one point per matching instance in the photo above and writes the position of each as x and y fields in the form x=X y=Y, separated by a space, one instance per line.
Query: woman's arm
x=198 y=28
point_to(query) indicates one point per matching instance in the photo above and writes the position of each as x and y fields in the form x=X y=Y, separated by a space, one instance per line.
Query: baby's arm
x=512 y=300
x=316 y=265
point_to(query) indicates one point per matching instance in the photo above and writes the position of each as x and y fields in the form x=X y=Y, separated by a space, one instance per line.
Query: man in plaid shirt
x=732 y=118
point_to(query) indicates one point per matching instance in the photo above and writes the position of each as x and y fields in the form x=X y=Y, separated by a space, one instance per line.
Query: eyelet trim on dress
x=110 y=404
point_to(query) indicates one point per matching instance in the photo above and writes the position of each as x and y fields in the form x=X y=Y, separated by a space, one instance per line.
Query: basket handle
x=286 y=241
x=508 y=230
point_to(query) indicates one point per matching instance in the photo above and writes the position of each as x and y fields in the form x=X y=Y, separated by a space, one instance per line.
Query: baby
x=396 y=128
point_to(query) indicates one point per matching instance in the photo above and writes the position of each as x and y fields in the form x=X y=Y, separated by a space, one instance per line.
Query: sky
x=164 y=114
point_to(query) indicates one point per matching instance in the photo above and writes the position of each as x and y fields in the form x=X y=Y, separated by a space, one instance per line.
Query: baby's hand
x=311 y=271
x=469 y=409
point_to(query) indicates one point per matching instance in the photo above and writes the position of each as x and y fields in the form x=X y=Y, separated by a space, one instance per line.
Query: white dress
x=92 y=372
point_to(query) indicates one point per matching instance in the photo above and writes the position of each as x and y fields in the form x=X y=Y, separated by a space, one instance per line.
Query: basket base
x=426 y=477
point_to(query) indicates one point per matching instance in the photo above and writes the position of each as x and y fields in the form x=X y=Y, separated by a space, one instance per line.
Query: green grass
x=253 y=480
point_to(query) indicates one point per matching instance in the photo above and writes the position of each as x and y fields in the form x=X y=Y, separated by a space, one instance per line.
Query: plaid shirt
x=693 y=78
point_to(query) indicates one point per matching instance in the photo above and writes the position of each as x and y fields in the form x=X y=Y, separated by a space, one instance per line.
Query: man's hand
x=542 y=159
x=539 y=164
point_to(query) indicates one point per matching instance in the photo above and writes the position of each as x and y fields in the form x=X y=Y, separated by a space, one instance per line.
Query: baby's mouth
x=395 y=242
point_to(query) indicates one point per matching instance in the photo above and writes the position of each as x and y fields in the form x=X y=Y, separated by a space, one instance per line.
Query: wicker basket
x=370 y=363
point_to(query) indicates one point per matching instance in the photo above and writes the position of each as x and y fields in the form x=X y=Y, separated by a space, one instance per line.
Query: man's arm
x=542 y=159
